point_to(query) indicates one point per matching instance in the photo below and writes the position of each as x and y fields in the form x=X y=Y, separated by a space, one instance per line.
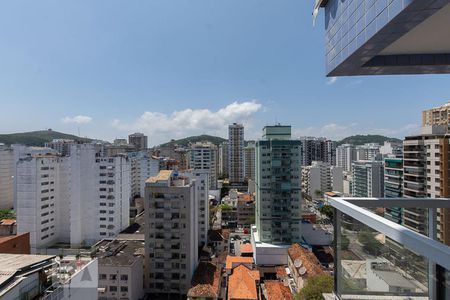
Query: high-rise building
x=143 y=166
x=369 y=151
x=345 y=155
x=77 y=200
x=6 y=177
x=278 y=186
x=62 y=146
x=236 y=153
x=393 y=187
x=367 y=178
x=203 y=157
x=316 y=179
x=249 y=162
x=386 y=37
x=392 y=149
x=171 y=234
x=223 y=159
x=437 y=116
x=337 y=178
x=318 y=149
x=138 y=140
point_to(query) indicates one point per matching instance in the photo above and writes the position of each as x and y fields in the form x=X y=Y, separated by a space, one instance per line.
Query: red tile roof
x=281 y=271
x=246 y=248
x=309 y=260
x=237 y=260
x=242 y=284
x=205 y=282
x=277 y=291
x=8 y=222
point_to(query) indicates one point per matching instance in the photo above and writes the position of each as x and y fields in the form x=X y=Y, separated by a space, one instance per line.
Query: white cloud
x=77 y=120
x=332 y=80
x=161 y=127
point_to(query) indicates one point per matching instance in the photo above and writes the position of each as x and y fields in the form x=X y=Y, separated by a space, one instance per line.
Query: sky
x=171 y=69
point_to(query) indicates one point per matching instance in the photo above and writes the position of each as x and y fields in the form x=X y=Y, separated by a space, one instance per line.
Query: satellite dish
x=302 y=271
x=298 y=263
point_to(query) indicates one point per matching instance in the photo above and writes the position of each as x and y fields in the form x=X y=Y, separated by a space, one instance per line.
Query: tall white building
x=77 y=200
x=316 y=179
x=143 y=166
x=337 y=178
x=62 y=146
x=345 y=155
x=249 y=163
x=203 y=157
x=6 y=177
x=236 y=153
x=171 y=234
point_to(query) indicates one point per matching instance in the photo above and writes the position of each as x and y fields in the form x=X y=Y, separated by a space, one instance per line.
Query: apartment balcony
x=377 y=258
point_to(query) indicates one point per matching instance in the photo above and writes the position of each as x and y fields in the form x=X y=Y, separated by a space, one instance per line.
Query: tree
x=7 y=214
x=327 y=210
x=370 y=243
x=318 y=193
x=315 y=287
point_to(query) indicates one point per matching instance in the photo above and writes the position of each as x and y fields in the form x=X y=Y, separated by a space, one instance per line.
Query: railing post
x=432 y=233
x=337 y=215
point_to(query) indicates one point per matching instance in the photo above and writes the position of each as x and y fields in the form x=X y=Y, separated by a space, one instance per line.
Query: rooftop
x=237 y=260
x=246 y=248
x=205 y=282
x=119 y=252
x=305 y=259
x=163 y=175
x=242 y=284
x=276 y=290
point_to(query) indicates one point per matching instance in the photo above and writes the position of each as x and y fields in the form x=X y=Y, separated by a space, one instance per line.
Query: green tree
x=315 y=287
x=327 y=210
x=7 y=214
x=369 y=242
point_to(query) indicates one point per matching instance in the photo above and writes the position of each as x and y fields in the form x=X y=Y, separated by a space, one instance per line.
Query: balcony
x=377 y=258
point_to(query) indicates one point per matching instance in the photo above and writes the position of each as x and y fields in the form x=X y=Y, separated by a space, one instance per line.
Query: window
x=102 y=276
x=124 y=277
x=124 y=289
x=113 y=288
x=113 y=277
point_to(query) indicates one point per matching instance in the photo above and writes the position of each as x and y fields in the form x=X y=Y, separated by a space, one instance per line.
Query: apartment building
x=367 y=179
x=278 y=186
x=62 y=146
x=345 y=155
x=392 y=149
x=143 y=167
x=318 y=149
x=6 y=177
x=171 y=234
x=203 y=158
x=120 y=269
x=223 y=159
x=245 y=210
x=249 y=163
x=316 y=179
x=138 y=140
x=369 y=151
x=393 y=187
x=236 y=153
x=437 y=116
x=77 y=200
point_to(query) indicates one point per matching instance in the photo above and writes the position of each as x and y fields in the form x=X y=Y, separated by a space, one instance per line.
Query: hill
x=37 y=138
x=370 y=138
x=193 y=139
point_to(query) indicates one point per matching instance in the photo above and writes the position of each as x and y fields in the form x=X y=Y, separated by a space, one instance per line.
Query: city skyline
x=109 y=70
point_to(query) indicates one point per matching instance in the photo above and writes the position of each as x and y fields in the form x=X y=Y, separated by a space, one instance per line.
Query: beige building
x=437 y=116
x=249 y=163
x=171 y=238
x=236 y=153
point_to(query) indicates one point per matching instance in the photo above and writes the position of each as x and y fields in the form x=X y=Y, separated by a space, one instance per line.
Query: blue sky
x=181 y=67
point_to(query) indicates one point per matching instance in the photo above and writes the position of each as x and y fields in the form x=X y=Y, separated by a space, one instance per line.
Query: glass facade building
x=369 y=37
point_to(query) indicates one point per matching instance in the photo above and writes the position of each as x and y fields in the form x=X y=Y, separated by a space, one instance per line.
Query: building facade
x=385 y=37
x=367 y=179
x=236 y=153
x=6 y=177
x=223 y=160
x=171 y=238
x=318 y=149
x=345 y=155
x=143 y=167
x=203 y=158
x=138 y=140
x=278 y=186
x=249 y=162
